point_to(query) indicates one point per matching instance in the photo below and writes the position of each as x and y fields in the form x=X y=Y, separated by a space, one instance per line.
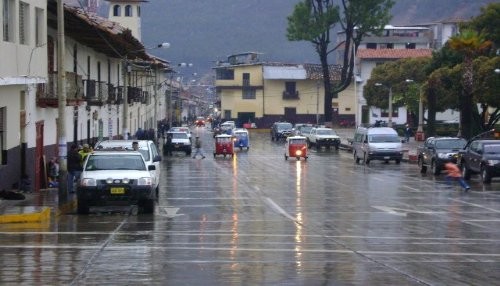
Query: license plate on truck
x=117 y=191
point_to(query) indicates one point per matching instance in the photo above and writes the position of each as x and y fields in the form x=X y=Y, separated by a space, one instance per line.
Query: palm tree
x=469 y=44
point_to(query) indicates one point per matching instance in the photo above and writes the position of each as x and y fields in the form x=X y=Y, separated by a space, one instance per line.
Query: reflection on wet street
x=258 y=219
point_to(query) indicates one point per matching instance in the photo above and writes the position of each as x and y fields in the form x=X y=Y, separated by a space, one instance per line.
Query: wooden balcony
x=46 y=93
x=96 y=92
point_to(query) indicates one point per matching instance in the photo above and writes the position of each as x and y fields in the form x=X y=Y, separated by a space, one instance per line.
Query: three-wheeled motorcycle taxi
x=224 y=145
x=241 y=138
x=296 y=146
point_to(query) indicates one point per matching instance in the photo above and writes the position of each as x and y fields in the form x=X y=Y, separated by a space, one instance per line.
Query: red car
x=200 y=121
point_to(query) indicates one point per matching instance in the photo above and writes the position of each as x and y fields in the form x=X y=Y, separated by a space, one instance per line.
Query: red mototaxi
x=296 y=146
x=224 y=145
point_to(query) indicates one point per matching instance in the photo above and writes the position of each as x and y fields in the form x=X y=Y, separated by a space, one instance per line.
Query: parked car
x=300 y=129
x=281 y=130
x=481 y=157
x=180 y=141
x=438 y=151
x=147 y=148
x=323 y=137
x=116 y=178
x=181 y=129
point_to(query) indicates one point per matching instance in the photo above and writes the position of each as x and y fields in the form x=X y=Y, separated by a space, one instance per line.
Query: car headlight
x=88 y=182
x=145 y=181
x=442 y=155
x=298 y=152
x=493 y=162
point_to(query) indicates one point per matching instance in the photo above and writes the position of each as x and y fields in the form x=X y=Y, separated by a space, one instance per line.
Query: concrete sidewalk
x=37 y=207
x=40 y=206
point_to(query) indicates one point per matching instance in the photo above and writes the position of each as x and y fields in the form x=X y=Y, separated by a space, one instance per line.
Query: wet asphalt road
x=257 y=219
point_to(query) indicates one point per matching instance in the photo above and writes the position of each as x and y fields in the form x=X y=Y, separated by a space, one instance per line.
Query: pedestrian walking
x=455 y=174
x=74 y=167
x=53 y=169
x=408 y=133
x=167 y=147
x=197 y=148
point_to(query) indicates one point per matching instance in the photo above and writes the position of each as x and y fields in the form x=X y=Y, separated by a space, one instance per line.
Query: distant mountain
x=202 y=32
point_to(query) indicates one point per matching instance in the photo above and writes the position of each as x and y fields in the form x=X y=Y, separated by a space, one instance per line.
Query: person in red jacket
x=455 y=174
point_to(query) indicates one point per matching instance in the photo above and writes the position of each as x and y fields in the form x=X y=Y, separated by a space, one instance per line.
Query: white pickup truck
x=322 y=137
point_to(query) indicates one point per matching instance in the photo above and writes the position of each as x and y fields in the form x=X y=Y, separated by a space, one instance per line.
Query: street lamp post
x=390 y=102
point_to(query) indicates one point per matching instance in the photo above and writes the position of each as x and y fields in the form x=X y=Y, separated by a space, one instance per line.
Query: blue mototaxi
x=241 y=138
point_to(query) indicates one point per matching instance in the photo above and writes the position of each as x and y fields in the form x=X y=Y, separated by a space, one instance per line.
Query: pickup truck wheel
x=397 y=161
x=337 y=147
x=147 y=206
x=423 y=168
x=82 y=206
x=435 y=169
x=309 y=144
x=485 y=176
x=465 y=172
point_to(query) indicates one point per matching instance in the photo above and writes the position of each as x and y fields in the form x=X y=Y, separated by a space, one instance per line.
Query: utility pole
x=61 y=93
x=125 y=99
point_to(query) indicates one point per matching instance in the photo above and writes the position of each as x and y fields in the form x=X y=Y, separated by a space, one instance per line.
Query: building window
x=290 y=90
x=128 y=11
x=117 y=10
x=39 y=27
x=372 y=46
x=387 y=46
x=246 y=79
x=248 y=93
x=227 y=114
x=224 y=74
x=3 y=125
x=24 y=25
x=138 y=11
x=8 y=20
x=410 y=46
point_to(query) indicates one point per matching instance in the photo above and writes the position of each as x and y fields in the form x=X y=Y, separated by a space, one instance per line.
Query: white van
x=377 y=143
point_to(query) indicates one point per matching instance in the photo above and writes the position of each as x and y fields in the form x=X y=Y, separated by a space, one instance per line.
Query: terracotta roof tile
x=393 y=53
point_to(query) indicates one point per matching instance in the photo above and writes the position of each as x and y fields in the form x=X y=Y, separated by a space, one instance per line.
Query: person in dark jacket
x=74 y=167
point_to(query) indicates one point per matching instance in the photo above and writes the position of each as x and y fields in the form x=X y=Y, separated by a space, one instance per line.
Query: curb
x=41 y=216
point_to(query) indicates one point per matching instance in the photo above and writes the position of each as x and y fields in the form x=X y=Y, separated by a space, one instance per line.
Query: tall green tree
x=488 y=23
x=315 y=20
x=469 y=44
x=487 y=91
x=406 y=77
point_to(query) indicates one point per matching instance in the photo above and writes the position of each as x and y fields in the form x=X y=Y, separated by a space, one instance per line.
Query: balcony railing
x=96 y=92
x=291 y=94
x=46 y=93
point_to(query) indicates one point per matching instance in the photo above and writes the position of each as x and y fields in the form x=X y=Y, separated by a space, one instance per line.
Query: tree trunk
x=431 y=115
x=323 y=54
x=466 y=102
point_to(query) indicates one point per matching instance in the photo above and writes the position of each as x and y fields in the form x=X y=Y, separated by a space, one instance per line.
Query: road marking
x=404 y=212
x=476 y=205
x=279 y=209
x=168 y=212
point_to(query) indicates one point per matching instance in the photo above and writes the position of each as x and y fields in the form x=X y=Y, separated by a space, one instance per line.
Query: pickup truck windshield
x=115 y=162
x=326 y=132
